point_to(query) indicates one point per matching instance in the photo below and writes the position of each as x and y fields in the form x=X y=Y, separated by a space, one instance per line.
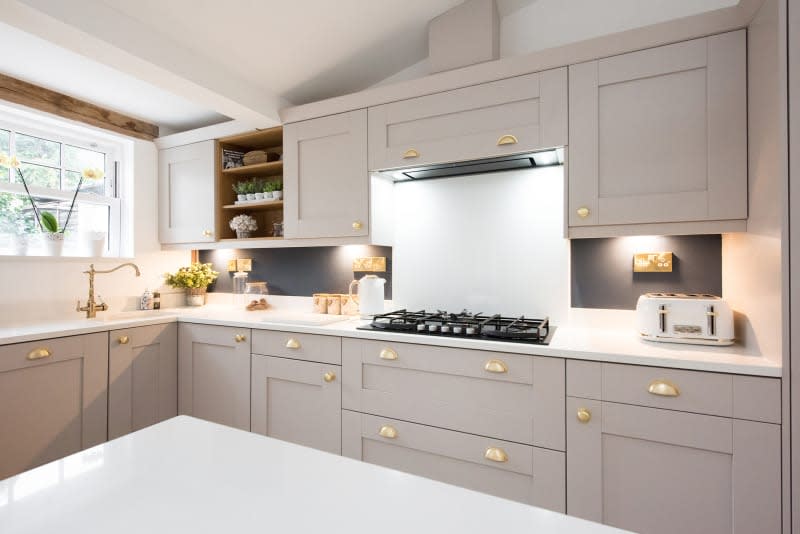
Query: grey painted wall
x=299 y=271
x=602 y=269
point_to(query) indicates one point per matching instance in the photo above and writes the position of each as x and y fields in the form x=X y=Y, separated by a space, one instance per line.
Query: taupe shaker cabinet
x=296 y=390
x=660 y=135
x=214 y=373
x=142 y=377
x=706 y=460
x=53 y=399
x=509 y=116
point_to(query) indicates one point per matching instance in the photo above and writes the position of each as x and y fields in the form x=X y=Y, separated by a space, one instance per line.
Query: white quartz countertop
x=192 y=476
x=618 y=345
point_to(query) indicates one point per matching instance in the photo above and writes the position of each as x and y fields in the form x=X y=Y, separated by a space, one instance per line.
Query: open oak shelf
x=273 y=168
x=256 y=205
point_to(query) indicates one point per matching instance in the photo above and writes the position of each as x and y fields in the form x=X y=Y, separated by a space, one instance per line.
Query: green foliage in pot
x=49 y=222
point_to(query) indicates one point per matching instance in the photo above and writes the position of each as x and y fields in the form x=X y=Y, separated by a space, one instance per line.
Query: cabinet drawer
x=309 y=347
x=518 y=472
x=469 y=123
x=742 y=397
x=507 y=396
x=41 y=352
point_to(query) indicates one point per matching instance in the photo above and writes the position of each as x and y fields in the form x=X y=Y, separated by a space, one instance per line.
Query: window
x=52 y=157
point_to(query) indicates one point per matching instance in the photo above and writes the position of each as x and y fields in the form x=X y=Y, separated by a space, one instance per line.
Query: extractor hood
x=529 y=160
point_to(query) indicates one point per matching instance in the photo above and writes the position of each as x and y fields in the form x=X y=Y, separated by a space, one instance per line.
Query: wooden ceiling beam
x=33 y=96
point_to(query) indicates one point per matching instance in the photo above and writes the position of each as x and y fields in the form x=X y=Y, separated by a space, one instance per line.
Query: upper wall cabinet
x=186 y=193
x=326 y=182
x=660 y=136
x=508 y=116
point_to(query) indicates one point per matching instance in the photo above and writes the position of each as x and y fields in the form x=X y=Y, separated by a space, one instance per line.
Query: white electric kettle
x=370 y=294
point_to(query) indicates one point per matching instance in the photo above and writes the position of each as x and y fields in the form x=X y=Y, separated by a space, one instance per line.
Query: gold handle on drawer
x=292 y=343
x=358 y=225
x=410 y=153
x=388 y=354
x=330 y=376
x=507 y=139
x=663 y=388
x=582 y=212
x=239 y=338
x=123 y=340
x=496 y=454
x=387 y=431
x=38 y=354
x=207 y=233
x=496 y=366
x=584 y=415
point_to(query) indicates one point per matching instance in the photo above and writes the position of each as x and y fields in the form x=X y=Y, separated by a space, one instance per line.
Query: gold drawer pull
x=582 y=212
x=207 y=233
x=388 y=354
x=330 y=376
x=38 y=354
x=663 y=388
x=358 y=225
x=496 y=454
x=123 y=340
x=292 y=343
x=584 y=415
x=410 y=153
x=239 y=338
x=388 y=431
x=496 y=366
x=507 y=139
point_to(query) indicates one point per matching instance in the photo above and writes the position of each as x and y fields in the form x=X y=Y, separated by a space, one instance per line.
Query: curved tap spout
x=92 y=307
x=92 y=270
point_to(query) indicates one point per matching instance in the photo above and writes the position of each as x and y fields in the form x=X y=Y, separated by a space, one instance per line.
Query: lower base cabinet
x=297 y=401
x=53 y=399
x=142 y=377
x=510 y=470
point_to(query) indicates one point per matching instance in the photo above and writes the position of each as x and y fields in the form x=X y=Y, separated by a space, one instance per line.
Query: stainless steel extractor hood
x=530 y=160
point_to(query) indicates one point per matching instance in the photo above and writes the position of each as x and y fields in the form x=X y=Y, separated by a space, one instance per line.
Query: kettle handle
x=353 y=298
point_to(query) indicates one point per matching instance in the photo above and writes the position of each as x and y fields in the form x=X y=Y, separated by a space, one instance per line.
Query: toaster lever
x=712 y=321
x=662 y=318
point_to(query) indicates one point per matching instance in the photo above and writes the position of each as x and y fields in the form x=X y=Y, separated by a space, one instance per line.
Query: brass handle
x=584 y=415
x=507 y=139
x=496 y=366
x=292 y=343
x=663 y=388
x=239 y=338
x=357 y=225
x=388 y=354
x=123 y=340
x=38 y=354
x=330 y=376
x=207 y=233
x=410 y=153
x=582 y=212
x=388 y=431
x=496 y=454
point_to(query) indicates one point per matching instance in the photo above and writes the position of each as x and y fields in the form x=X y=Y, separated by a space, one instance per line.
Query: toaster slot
x=712 y=321
x=662 y=318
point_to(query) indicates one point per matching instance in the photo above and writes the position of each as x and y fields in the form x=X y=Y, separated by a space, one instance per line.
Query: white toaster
x=685 y=318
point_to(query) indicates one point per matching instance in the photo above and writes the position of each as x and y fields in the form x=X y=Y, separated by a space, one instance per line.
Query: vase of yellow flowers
x=195 y=279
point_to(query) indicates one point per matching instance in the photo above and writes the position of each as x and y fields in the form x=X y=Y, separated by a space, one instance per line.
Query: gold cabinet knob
x=410 y=153
x=496 y=454
x=123 y=340
x=207 y=233
x=292 y=343
x=507 y=139
x=357 y=225
x=330 y=376
x=582 y=212
x=663 y=388
x=584 y=415
x=388 y=431
x=388 y=354
x=239 y=338
x=38 y=354
x=496 y=366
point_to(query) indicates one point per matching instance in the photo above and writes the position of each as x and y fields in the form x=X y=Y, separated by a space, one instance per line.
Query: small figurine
x=257 y=305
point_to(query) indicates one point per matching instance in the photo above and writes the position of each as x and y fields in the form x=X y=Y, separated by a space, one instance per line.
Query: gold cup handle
x=663 y=388
x=507 y=139
x=292 y=343
x=496 y=454
x=38 y=354
x=496 y=366
x=410 y=153
x=388 y=431
x=388 y=354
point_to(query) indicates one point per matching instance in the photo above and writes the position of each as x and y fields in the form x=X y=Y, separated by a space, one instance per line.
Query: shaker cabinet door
x=326 y=182
x=660 y=135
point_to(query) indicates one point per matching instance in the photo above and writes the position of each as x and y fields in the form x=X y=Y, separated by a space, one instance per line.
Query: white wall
x=492 y=243
x=44 y=288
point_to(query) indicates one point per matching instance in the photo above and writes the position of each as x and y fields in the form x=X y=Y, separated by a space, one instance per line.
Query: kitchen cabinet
x=509 y=116
x=186 y=193
x=214 y=373
x=326 y=183
x=142 y=377
x=660 y=136
x=53 y=399
x=675 y=467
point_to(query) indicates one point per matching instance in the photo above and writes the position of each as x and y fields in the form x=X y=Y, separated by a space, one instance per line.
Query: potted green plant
x=277 y=192
x=260 y=190
x=240 y=188
x=243 y=225
x=195 y=279
x=251 y=190
x=268 y=188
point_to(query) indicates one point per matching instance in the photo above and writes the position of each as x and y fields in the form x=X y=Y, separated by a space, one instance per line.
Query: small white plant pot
x=259 y=196
x=251 y=196
x=97 y=244
x=277 y=195
x=268 y=195
x=241 y=198
x=54 y=243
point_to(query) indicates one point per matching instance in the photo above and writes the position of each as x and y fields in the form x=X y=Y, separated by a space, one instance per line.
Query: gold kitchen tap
x=93 y=307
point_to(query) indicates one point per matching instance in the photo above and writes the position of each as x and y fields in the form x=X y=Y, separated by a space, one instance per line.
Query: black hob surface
x=464 y=325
